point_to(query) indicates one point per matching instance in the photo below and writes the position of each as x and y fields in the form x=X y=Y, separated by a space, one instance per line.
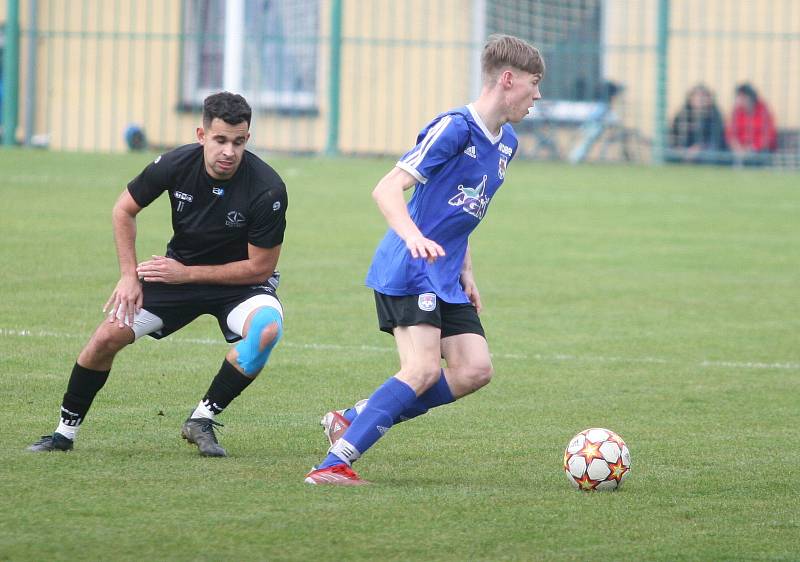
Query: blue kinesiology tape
x=250 y=359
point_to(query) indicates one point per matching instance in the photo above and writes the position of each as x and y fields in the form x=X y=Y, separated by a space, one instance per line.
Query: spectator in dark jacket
x=698 y=133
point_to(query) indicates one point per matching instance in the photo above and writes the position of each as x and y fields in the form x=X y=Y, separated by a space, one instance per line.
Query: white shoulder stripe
x=415 y=158
x=413 y=171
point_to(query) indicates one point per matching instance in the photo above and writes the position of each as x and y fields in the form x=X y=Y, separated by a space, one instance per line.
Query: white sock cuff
x=202 y=411
x=345 y=451
x=68 y=431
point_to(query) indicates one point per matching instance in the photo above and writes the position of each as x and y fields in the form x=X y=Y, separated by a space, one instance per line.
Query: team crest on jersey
x=427 y=302
x=501 y=170
x=235 y=219
x=472 y=199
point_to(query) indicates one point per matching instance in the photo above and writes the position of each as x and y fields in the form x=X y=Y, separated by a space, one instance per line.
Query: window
x=264 y=49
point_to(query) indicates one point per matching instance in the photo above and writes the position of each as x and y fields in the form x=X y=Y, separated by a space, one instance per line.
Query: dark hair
x=231 y=108
x=747 y=90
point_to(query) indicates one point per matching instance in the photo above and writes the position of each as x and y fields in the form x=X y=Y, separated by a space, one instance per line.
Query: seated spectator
x=698 y=133
x=751 y=132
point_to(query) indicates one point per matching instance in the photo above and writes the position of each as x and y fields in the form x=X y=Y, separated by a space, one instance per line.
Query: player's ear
x=506 y=78
x=201 y=135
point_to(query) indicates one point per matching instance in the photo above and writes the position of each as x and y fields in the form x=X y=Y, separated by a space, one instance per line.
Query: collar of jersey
x=492 y=139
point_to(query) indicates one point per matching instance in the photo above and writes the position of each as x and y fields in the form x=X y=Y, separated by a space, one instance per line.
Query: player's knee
x=269 y=335
x=478 y=375
x=422 y=375
x=266 y=328
x=110 y=338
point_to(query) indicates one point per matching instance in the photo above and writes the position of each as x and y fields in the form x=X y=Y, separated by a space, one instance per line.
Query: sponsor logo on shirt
x=235 y=219
x=472 y=200
x=182 y=199
x=218 y=191
x=471 y=151
x=276 y=205
x=507 y=150
x=427 y=302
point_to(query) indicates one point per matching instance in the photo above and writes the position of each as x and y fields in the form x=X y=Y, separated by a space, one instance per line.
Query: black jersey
x=212 y=220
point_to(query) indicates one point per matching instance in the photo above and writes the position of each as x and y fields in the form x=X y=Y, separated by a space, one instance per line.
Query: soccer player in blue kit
x=425 y=292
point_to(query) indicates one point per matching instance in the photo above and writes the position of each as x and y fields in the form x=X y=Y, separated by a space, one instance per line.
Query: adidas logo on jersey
x=471 y=152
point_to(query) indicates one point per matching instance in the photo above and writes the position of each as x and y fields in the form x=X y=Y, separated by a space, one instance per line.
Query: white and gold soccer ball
x=597 y=459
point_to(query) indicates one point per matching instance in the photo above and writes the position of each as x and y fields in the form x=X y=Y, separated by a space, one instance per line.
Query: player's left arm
x=468 y=282
x=257 y=268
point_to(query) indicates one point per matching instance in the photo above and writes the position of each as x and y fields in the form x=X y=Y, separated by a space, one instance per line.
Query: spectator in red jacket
x=751 y=132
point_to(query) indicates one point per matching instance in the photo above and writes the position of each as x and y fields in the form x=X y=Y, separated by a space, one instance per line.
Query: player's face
x=223 y=147
x=521 y=94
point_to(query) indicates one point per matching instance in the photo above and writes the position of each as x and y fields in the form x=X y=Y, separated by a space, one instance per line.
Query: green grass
x=659 y=302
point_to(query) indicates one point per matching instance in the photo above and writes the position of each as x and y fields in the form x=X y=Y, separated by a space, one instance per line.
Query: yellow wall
x=402 y=62
x=717 y=42
x=104 y=65
x=417 y=68
x=102 y=75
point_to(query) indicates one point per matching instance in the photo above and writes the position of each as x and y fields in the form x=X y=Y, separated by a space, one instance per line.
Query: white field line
x=788 y=365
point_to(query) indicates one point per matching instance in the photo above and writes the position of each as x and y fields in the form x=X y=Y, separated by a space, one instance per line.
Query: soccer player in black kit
x=228 y=218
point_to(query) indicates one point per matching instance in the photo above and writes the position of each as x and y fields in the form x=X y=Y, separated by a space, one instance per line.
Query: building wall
x=402 y=64
x=716 y=42
x=104 y=65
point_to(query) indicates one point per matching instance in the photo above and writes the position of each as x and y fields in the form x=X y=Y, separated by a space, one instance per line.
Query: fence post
x=11 y=74
x=660 y=137
x=334 y=78
x=29 y=123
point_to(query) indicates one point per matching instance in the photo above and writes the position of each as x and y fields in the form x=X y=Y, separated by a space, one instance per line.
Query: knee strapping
x=250 y=359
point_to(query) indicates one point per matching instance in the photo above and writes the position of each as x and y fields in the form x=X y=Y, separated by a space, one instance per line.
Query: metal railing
x=350 y=77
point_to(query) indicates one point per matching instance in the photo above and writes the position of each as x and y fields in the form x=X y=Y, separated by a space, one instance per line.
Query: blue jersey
x=458 y=166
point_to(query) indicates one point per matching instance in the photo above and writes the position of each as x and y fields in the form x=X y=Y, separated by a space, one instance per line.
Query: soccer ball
x=597 y=459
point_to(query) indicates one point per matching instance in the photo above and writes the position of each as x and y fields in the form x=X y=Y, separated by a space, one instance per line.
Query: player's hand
x=124 y=302
x=471 y=289
x=421 y=247
x=159 y=269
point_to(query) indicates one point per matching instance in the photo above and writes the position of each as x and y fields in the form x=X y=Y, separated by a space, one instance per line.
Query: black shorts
x=177 y=305
x=427 y=308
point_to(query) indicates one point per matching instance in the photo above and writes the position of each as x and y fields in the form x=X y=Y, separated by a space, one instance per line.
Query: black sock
x=227 y=385
x=83 y=385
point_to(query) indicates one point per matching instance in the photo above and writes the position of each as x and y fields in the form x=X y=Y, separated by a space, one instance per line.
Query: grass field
x=661 y=303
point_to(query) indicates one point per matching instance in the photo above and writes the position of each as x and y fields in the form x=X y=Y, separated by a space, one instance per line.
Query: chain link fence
x=627 y=80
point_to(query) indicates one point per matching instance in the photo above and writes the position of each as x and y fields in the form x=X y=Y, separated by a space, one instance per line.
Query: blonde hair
x=506 y=50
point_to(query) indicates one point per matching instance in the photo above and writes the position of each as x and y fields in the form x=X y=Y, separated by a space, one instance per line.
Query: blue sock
x=437 y=395
x=384 y=406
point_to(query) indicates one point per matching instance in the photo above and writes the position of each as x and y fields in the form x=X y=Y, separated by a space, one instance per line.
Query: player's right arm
x=388 y=194
x=126 y=300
